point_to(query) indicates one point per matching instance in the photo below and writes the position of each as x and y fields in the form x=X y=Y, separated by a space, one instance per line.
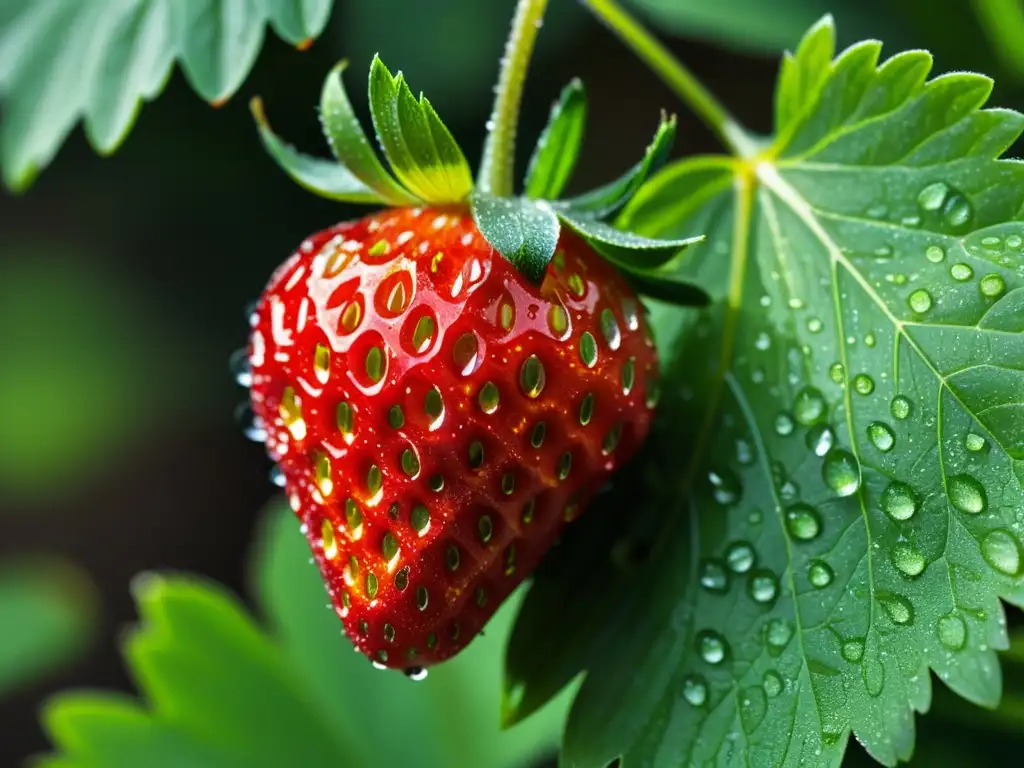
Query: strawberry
x=445 y=383
x=438 y=418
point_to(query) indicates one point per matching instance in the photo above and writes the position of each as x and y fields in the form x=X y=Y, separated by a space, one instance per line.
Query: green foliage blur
x=122 y=287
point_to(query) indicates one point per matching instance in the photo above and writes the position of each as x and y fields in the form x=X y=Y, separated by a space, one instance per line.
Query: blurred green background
x=123 y=283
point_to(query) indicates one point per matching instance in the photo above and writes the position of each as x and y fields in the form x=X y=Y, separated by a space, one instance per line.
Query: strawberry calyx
x=428 y=168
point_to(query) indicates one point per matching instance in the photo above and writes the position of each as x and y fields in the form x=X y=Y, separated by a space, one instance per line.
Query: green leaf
x=844 y=516
x=627 y=250
x=65 y=60
x=449 y=719
x=604 y=201
x=48 y=611
x=524 y=231
x=322 y=177
x=422 y=152
x=558 y=147
x=220 y=693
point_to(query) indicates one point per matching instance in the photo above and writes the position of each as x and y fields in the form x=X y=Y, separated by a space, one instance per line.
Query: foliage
x=850 y=508
x=65 y=60
x=219 y=690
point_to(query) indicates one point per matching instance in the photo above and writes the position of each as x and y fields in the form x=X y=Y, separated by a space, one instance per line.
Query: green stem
x=675 y=74
x=497 y=165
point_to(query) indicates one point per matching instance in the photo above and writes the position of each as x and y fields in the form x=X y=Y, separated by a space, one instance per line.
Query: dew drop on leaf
x=967 y=494
x=763 y=342
x=711 y=646
x=763 y=586
x=841 y=472
x=777 y=634
x=961 y=272
x=713 y=576
x=935 y=253
x=837 y=373
x=974 y=443
x=873 y=674
x=863 y=384
x=920 y=301
x=1002 y=551
x=899 y=501
x=992 y=286
x=725 y=486
x=814 y=325
x=900 y=408
x=908 y=560
x=809 y=406
x=881 y=436
x=744 y=452
x=784 y=424
x=695 y=690
x=933 y=196
x=820 y=574
x=820 y=439
x=898 y=608
x=740 y=556
x=772 y=683
x=753 y=707
x=852 y=650
x=803 y=522
x=952 y=632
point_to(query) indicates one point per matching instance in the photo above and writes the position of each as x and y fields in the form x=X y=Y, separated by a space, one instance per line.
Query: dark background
x=123 y=282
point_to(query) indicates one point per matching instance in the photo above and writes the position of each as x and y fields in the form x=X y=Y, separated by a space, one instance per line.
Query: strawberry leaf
x=558 y=148
x=523 y=231
x=626 y=249
x=65 y=60
x=349 y=144
x=422 y=152
x=604 y=201
x=848 y=515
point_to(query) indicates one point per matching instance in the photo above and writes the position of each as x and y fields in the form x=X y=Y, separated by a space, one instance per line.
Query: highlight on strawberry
x=445 y=383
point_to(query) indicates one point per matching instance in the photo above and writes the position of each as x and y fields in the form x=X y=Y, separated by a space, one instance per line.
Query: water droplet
x=784 y=424
x=763 y=341
x=277 y=476
x=416 y=673
x=837 y=372
x=841 y=472
x=992 y=286
x=772 y=683
x=803 y=522
x=726 y=487
x=252 y=425
x=920 y=301
x=873 y=674
x=1014 y=241
x=974 y=443
x=932 y=197
x=753 y=707
x=240 y=367
x=881 y=436
x=852 y=650
x=711 y=646
x=952 y=631
x=899 y=501
x=908 y=560
x=713 y=576
x=935 y=253
x=870 y=340
x=744 y=452
x=820 y=574
x=777 y=634
x=814 y=325
x=763 y=586
x=863 y=384
x=898 y=608
x=961 y=272
x=958 y=212
x=967 y=494
x=809 y=406
x=900 y=408
x=820 y=439
x=1002 y=551
x=740 y=556
x=695 y=690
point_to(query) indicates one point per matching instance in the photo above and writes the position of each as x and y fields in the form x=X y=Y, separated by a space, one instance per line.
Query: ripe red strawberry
x=439 y=418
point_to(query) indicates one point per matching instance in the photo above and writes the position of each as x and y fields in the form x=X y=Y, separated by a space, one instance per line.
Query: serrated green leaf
x=558 y=148
x=323 y=177
x=48 y=611
x=349 y=144
x=422 y=152
x=220 y=692
x=64 y=60
x=523 y=231
x=849 y=518
x=606 y=200
x=448 y=719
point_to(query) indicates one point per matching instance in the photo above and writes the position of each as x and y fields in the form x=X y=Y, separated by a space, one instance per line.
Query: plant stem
x=675 y=74
x=497 y=165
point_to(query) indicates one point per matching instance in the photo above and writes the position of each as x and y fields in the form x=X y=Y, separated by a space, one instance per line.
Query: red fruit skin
x=365 y=285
